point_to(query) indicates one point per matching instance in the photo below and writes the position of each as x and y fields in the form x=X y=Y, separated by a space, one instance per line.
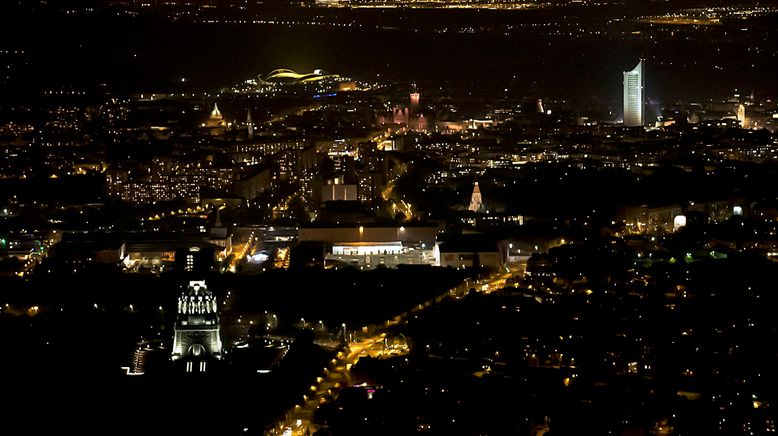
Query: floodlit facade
x=476 y=203
x=634 y=84
x=371 y=247
x=415 y=102
x=197 y=326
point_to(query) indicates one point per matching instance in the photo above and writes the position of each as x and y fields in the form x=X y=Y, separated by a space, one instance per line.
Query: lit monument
x=197 y=327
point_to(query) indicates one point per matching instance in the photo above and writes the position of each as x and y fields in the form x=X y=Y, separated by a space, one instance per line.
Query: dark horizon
x=107 y=51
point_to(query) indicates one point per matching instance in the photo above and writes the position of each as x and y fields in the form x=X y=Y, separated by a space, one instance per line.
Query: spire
x=476 y=204
x=250 y=125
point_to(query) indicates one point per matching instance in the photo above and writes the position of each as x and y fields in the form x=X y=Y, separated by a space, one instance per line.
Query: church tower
x=415 y=96
x=741 y=115
x=196 y=338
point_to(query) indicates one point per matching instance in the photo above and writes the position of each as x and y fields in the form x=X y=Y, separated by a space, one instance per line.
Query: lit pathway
x=299 y=420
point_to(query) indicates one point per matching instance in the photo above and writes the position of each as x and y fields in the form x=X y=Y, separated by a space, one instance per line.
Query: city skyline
x=340 y=217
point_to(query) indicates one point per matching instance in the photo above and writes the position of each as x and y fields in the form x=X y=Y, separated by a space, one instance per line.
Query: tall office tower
x=633 y=96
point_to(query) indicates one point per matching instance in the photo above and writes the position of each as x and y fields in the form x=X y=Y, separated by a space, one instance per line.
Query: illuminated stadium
x=287 y=76
x=318 y=80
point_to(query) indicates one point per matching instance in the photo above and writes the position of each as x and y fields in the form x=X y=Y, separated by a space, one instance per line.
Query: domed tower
x=197 y=327
x=216 y=119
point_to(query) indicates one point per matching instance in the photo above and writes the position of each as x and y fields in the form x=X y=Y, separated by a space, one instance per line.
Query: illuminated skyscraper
x=634 y=83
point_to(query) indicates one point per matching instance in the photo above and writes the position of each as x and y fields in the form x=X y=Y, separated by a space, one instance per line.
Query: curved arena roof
x=285 y=75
